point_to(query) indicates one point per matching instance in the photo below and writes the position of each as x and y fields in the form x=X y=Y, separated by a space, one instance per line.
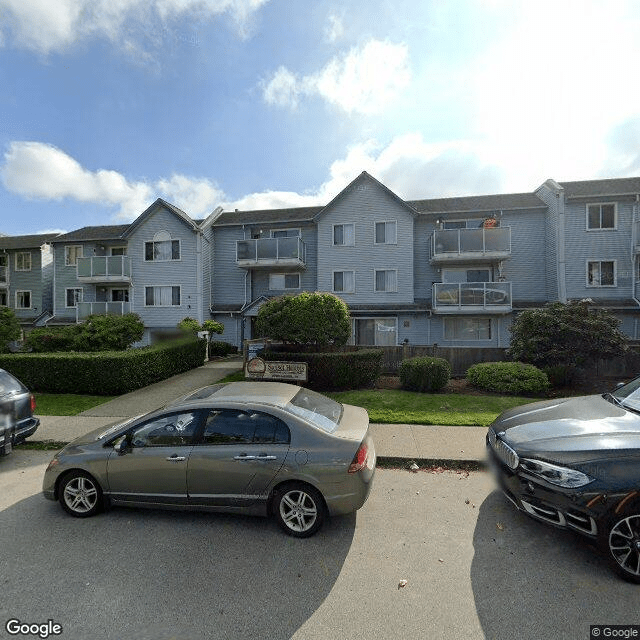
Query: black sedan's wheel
x=623 y=545
x=299 y=509
x=80 y=495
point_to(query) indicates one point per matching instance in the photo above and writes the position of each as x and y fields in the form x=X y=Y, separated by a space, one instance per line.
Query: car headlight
x=563 y=477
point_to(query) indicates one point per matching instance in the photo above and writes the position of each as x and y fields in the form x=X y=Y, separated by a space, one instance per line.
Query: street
x=473 y=566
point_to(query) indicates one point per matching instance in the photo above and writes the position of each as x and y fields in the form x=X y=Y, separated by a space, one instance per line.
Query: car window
x=320 y=411
x=8 y=384
x=629 y=394
x=231 y=426
x=168 y=430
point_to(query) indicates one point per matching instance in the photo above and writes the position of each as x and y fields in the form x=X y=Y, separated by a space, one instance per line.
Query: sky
x=106 y=105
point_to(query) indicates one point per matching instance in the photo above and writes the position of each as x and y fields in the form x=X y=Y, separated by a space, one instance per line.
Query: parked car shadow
x=163 y=575
x=533 y=581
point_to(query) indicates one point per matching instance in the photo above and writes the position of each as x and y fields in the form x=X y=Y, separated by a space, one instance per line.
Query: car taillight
x=33 y=403
x=360 y=459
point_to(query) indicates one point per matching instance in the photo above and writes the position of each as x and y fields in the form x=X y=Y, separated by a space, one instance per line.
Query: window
x=283 y=281
x=23 y=299
x=4 y=271
x=23 y=261
x=119 y=295
x=386 y=232
x=73 y=296
x=118 y=251
x=230 y=426
x=166 y=431
x=601 y=273
x=601 y=216
x=285 y=233
x=71 y=254
x=467 y=329
x=386 y=280
x=344 y=281
x=344 y=235
x=376 y=331
x=162 y=248
x=162 y=296
x=466 y=275
x=4 y=298
x=473 y=223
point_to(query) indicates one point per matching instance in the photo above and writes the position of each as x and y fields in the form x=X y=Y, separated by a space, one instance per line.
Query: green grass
x=66 y=404
x=233 y=377
x=406 y=407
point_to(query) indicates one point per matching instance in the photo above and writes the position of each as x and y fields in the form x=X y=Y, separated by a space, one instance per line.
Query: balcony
x=450 y=246
x=268 y=253
x=102 y=269
x=86 y=309
x=4 y=276
x=472 y=297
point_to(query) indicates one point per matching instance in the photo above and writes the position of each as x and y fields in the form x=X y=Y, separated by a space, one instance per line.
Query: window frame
x=333 y=234
x=602 y=204
x=298 y=229
x=115 y=255
x=333 y=280
x=602 y=286
x=23 y=254
x=455 y=319
x=80 y=254
x=375 y=281
x=284 y=276
x=154 y=241
x=163 y=306
x=4 y=293
x=385 y=223
x=374 y=318
x=66 y=297
x=19 y=291
x=199 y=440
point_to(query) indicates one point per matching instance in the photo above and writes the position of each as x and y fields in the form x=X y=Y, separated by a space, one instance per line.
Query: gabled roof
x=267 y=216
x=179 y=213
x=104 y=232
x=608 y=187
x=26 y=242
x=468 y=204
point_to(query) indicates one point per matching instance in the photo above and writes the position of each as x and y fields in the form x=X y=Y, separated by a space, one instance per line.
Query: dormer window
x=162 y=248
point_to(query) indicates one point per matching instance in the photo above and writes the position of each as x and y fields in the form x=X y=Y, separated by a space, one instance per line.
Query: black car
x=575 y=463
x=17 y=405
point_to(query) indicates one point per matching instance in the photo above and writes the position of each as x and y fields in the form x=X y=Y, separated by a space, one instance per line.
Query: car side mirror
x=121 y=446
x=620 y=384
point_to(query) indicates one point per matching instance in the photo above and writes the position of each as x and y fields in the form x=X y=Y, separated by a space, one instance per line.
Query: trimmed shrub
x=336 y=371
x=9 y=328
x=219 y=348
x=424 y=374
x=107 y=372
x=513 y=378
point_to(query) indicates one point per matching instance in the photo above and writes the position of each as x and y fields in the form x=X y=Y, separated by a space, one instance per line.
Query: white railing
x=270 y=252
x=471 y=296
x=449 y=243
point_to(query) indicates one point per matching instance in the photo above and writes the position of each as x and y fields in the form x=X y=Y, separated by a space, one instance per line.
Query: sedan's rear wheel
x=80 y=495
x=299 y=509
x=623 y=545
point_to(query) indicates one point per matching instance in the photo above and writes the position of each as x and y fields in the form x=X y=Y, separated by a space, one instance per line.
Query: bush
x=218 y=348
x=318 y=319
x=48 y=339
x=105 y=373
x=513 y=378
x=9 y=328
x=424 y=374
x=336 y=371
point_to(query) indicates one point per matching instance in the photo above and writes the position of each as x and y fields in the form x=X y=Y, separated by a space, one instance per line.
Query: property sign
x=258 y=368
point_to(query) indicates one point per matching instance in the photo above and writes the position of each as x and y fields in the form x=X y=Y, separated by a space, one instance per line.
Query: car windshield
x=628 y=395
x=8 y=384
x=320 y=411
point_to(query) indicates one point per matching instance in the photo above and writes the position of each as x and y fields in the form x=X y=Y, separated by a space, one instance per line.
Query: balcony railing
x=270 y=252
x=472 y=297
x=4 y=275
x=86 y=309
x=459 y=245
x=104 y=269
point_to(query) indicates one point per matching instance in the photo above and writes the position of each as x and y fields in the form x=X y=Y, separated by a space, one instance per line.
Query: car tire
x=620 y=541
x=80 y=494
x=299 y=509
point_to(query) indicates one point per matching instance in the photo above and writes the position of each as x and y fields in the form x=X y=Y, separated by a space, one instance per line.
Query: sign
x=253 y=348
x=257 y=368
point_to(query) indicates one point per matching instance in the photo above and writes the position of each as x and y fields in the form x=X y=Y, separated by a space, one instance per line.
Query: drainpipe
x=634 y=222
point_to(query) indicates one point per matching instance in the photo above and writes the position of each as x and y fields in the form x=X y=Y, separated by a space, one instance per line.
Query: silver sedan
x=261 y=448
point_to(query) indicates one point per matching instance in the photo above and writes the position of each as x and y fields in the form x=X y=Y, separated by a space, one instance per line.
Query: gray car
x=261 y=448
x=17 y=405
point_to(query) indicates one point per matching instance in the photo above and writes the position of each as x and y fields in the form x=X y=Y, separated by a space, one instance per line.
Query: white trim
x=375 y=281
x=111 y=254
x=333 y=234
x=80 y=298
x=333 y=290
x=601 y=204
x=284 y=278
x=385 y=222
x=298 y=229
x=601 y=286
x=170 y=241
x=23 y=253
x=353 y=327
x=163 y=306
x=66 y=254
x=30 y=299
x=449 y=319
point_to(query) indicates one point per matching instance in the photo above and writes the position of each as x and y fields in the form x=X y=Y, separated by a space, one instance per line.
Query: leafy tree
x=319 y=319
x=9 y=328
x=108 y=332
x=565 y=335
x=212 y=327
x=189 y=325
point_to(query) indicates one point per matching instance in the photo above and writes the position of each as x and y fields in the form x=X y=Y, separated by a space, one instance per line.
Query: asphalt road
x=474 y=568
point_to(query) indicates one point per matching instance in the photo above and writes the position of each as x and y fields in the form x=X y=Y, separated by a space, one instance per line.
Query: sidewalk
x=437 y=444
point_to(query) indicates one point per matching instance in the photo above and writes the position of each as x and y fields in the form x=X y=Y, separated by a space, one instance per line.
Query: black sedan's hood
x=590 y=425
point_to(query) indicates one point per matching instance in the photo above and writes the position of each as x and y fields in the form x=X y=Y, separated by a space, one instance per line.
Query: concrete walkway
x=426 y=443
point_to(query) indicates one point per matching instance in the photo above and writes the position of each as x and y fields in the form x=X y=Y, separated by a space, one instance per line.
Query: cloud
x=365 y=80
x=46 y=26
x=334 y=29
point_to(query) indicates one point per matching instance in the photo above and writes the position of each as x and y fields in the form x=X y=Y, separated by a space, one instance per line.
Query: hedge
x=424 y=374
x=514 y=378
x=336 y=371
x=219 y=348
x=106 y=372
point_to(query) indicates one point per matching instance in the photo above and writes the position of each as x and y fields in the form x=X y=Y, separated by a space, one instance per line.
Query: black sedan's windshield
x=628 y=395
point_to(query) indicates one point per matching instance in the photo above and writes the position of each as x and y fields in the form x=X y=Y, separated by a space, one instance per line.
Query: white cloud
x=195 y=196
x=53 y=25
x=365 y=80
x=334 y=29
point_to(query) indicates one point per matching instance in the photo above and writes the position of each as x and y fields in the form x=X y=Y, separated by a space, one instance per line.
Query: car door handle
x=244 y=457
x=176 y=458
x=263 y=457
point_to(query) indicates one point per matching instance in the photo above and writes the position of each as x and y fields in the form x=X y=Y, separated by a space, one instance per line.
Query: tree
x=9 y=328
x=570 y=335
x=318 y=319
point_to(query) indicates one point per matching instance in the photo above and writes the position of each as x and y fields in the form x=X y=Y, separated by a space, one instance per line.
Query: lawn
x=406 y=407
x=66 y=404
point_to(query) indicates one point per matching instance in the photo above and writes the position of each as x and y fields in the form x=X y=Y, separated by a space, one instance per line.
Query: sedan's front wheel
x=623 y=545
x=80 y=495
x=299 y=509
